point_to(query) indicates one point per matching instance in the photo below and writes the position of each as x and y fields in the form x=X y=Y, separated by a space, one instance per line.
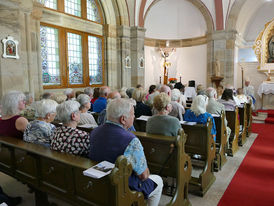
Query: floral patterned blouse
x=135 y=155
x=70 y=140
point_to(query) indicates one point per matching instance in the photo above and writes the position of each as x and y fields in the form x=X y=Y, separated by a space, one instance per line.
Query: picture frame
x=127 y=62
x=141 y=62
x=10 y=48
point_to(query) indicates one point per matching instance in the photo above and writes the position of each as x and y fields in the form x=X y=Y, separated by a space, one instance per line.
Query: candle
x=268 y=70
x=160 y=80
x=180 y=77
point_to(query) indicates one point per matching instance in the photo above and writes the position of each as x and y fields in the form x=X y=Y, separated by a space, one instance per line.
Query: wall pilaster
x=137 y=54
x=221 y=46
x=124 y=51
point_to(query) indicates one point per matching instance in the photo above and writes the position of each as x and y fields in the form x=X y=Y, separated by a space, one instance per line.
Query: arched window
x=72 y=58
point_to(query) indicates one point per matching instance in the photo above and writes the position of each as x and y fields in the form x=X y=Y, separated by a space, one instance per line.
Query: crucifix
x=166 y=52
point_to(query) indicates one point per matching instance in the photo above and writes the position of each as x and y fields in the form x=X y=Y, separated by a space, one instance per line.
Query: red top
x=7 y=128
x=93 y=100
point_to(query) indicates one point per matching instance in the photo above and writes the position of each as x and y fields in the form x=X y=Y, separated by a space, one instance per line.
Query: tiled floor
x=211 y=198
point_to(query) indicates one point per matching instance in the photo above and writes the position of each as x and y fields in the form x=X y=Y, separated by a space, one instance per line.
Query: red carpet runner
x=253 y=183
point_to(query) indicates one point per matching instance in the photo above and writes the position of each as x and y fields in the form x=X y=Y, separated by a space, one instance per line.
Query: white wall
x=174 y=19
x=190 y=62
x=257 y=22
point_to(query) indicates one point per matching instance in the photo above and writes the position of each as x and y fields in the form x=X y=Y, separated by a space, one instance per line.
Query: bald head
x=166 y=90
x=114 y=95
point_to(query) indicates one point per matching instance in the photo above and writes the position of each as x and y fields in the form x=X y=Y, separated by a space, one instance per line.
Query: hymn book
x=100 y=170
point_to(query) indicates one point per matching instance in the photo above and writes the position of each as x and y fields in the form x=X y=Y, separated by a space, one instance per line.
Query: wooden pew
x=243 y=124
x=200 y=142
x=249 y=118
x=233 y=124
x=166 y=156
x=61 y=175
x=221 y=142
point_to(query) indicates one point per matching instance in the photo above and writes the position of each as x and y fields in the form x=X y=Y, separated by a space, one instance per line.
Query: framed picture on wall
x=141 y=62
x=10 y=48
x=128 y=62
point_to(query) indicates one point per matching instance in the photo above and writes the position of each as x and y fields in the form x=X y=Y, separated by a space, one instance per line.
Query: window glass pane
x=92 y=11
x=73 y=7
x=49 y=3
x=95 y=60
x=75 y=58
x=50 y=56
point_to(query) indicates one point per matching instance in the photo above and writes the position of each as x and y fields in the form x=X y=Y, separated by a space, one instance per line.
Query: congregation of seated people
x=115 y=110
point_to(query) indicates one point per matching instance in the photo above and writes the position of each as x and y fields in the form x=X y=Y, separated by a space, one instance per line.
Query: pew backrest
x=166 y=157
x=61 y=175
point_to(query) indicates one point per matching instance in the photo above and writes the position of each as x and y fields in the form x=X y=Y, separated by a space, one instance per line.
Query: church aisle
x=253 y=183
x=223 y=178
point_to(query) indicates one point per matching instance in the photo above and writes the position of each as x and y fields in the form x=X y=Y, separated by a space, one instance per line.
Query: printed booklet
x=100 y=170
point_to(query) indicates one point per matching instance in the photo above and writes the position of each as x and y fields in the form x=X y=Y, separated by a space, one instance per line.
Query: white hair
x=198 y=105
x=65 y=110
x=211 y=92
x=68 y=91
x=83 y=99
x=119 y=107
x=88 y=91
x=10 y=102
x=45 y=106
x=175 y=94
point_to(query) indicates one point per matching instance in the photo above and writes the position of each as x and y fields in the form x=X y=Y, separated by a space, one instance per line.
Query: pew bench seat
x=61 y=175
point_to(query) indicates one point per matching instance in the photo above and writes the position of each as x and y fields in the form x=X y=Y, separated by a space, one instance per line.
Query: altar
x=266 y=92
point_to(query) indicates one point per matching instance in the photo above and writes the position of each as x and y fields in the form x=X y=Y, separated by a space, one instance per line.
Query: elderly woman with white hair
x=112 y=139
x=12 y=124
x=40 y=130
x=67 y=138
x=177 y=108
x=140 y=109
x=70 y=93
x=85 y=117
x=162 y=123
x=197 y=113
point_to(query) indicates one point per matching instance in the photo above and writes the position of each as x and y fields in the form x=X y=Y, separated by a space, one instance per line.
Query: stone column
x=112 y=70
x=137 y=56
x=221 y=46
x=124 y=52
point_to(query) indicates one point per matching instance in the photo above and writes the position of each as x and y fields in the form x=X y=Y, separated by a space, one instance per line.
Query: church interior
x=50 y=46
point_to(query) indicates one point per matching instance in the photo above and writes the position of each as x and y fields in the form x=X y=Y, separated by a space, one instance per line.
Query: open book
x=100 y=170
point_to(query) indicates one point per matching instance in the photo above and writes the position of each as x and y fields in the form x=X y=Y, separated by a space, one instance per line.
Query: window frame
x=61 y=9
x=63 y=58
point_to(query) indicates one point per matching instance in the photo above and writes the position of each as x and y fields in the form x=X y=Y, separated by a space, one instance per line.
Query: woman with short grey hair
x=67 y=138
x=162 y=123
x=85 y=117
x=177 y=108
x=40 y=130
x=12 y=124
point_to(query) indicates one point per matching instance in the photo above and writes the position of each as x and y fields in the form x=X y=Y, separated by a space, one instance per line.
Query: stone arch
x=115 y=12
